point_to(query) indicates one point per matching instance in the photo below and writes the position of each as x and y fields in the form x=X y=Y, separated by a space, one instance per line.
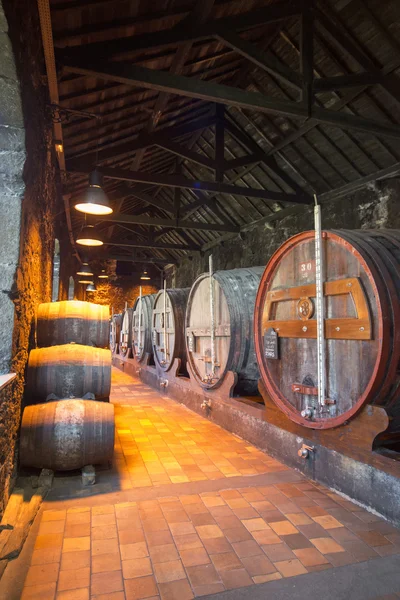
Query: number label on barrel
x=191 y=342
x=307 y=268
x=271 y=349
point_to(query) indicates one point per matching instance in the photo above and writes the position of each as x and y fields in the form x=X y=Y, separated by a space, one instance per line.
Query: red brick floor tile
x=112 y=596
x=78 y=518
x=373 y=538
x=164 y=553
x=74 y=579
x=236 y=579
x=77 y=530
x=50 y=540
x=193 y=557
x=182 y=528
x=159 y=538
x=297 y=541
x=106 y=562
x=53 y=515
x=103 y=519
x=266 y=578
x=257 y=524
x=208 y=589
x=106 y=583
x=176 y=590
x=290 y=568
x=387 y=550
x=340 y=559
x=238 y=534
x=39 y=574
x=327 y=545
x=342 y=534
x=327 y=522
x=359 y=550
x=156 y=525
x=299 y=518
x=80 y=594
x=246 y=513
x=203 y=575
x=284 y=528
x=188 y=542
x=131 y=536
x=206 y=532
x=271 y=516
x=51 y=527
x=75 y=560
x=141 y=587
x=226 y=561
x=230 y=522
x=45 y=556
x=44 y=591
x=104 y=532
x=247 y=548
x=266 y=536
x=217 y=545
x=278 y=552
x=136 y=567
x=310 y=557
x=203 y=519
x=104 y=546
x=169 y=571
x=76 y=544
x=258 y=565
x=137 y=550
x=315 y=531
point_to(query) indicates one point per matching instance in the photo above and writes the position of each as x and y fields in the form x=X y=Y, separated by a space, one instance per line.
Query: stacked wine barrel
x=141 y=338
x=62 y=428
x=168 y=328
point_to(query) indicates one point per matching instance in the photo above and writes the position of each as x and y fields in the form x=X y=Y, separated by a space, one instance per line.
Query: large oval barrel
x=115 y=332
x=68 y=371
x=125 y=336
x=67 y=434
x=168 y=325
x=141 y=327
x=72 y=321
x=232 y=310
x=361 y=327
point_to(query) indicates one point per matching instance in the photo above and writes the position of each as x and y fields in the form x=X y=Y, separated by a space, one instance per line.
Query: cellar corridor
x=191 y=510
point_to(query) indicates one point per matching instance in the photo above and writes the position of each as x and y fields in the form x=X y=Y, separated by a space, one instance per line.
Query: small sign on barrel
x=271 y=348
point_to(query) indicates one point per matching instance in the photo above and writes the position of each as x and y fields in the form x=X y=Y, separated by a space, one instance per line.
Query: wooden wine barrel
x=68 y=371
x=72 y=321
x=115 y=332
x=362 y=326
x=125 y=336
x=168 y=325
x=141 y=333
x=234 y=297
x=67 y=434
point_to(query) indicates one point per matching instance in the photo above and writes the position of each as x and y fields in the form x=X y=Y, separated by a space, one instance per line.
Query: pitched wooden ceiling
x=208 y=115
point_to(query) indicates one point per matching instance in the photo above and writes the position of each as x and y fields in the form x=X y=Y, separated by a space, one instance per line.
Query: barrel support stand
x=222 y=392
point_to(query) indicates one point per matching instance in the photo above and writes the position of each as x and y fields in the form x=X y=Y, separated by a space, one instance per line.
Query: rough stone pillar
x=12 y=158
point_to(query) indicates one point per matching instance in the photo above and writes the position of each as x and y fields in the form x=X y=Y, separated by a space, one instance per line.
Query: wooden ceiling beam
x=142 y=141
x=327 y=84
x=186 y=153
x=176 y=180
x=223 y=94
x=180 y=35
x=264 y=60
x=173 y=224
x=157 y=245
x=141 y=260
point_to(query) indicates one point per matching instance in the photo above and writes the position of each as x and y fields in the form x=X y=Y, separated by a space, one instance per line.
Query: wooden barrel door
x=125 y=337
x=168 y=327
x=234 y=295
x=141 y=327
x=361 y=327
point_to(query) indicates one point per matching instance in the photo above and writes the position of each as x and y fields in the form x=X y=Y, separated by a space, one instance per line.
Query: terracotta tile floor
x=179 y=546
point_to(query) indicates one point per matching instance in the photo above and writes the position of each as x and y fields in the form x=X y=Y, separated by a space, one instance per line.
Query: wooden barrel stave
x=115 y=331
x=358 y=370
x=125 y=336
x=235 y=292
x=72 y=321
x=146 y=344
x=68 y=371
x=67 y=434
x=176 y=307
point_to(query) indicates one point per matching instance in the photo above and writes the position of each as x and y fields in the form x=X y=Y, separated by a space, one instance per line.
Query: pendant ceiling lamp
x=91 y=287
x=89 y=237
x=145 y=276
x=85 y=270
x=94 y=200
x=87 y=281
x=103 y=274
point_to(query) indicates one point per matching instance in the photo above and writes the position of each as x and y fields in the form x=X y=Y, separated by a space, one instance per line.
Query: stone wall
x=116 y=293
x=376 y=206
x=29 y=199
